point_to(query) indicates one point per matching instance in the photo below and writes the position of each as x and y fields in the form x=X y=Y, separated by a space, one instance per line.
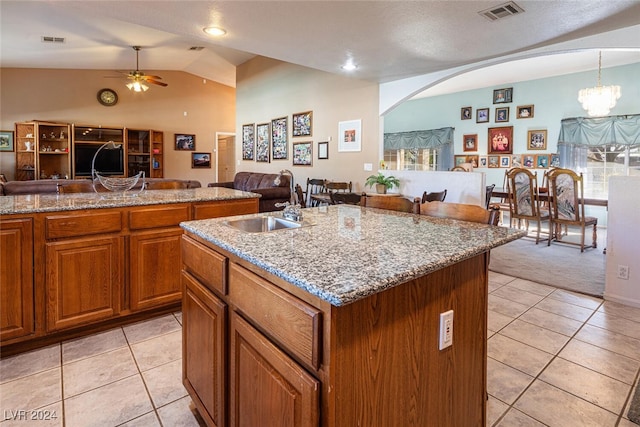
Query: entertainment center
x=49 y=150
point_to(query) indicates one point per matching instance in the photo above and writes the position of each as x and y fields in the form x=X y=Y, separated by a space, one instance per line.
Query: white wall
x=623 y=240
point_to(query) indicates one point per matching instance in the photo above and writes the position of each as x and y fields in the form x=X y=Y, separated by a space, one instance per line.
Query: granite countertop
x=34 y=203
x=352 y=252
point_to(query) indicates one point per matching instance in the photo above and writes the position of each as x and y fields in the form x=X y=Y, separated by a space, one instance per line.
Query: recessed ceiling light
x=215 y=31
x=349 y=66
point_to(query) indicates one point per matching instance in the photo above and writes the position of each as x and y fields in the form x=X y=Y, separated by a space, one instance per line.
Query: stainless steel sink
x=263 y=224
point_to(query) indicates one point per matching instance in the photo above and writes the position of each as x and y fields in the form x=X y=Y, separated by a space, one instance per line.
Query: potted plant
x=382 y=183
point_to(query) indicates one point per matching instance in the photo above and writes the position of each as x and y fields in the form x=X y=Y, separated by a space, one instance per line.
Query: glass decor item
x=110 y=183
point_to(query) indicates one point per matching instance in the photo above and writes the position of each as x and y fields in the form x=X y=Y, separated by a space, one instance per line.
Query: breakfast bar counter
x=338 y=322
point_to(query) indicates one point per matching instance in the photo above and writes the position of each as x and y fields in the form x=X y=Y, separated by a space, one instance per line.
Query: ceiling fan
x=138 y=78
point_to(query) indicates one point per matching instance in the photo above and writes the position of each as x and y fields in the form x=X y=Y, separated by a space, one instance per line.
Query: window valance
x=622 y=130
x=432 y=138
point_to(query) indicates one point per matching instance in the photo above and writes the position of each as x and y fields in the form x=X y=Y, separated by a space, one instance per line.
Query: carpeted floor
x=558 y=265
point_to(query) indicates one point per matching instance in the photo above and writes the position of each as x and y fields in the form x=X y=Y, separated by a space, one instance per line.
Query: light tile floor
x=556 y=358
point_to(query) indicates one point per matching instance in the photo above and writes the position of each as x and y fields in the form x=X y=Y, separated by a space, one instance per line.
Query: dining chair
x=458 y=169
x=165 y=185
x=314 y=186
x=338 y=198
x=488 y=194
x=79 y=187
x=392 y=203
x=300 y=196
x=461 y=211
x=344 y=187
x=524 y=203
x=434 y=196
x=566 y=197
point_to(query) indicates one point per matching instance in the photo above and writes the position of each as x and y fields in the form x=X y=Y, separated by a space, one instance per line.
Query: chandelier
x=599 y=100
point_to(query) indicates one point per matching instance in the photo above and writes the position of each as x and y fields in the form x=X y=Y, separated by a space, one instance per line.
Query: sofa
x=273 y=188
x=44 y=186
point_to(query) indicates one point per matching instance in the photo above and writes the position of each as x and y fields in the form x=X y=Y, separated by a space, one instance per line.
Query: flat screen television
x=110 y=161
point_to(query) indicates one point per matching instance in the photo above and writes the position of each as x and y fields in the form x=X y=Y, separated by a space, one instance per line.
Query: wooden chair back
x=566 y=193
x=337 y=186
x=314 y=186
x=488 y=194
x=300 y=196
x=166 y=185
x=434 y=196
x=338 y=198
x=80 y=187
x=392 y=203
x=461 y=211
x=524 y=203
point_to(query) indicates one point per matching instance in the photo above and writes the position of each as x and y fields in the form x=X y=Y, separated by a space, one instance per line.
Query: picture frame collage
x=269 y=141
x=500 y=138
x=187 y=142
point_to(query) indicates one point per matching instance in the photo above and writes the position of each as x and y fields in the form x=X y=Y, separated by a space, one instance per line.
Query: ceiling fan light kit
x=139 y=79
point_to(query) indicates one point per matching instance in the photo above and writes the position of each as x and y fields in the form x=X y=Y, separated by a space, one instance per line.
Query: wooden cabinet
x=267 y=387
x=145 y=152
x=43 y=150
x=16 y=277
x=296 y=360
x=204 y=358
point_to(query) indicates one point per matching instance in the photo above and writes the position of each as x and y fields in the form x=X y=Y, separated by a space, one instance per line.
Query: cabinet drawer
x=207 y=265
x=165 y=216
x=82 y=224
x=292 y=322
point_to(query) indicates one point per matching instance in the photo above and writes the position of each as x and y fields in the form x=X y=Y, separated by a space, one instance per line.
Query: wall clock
x=107 y=97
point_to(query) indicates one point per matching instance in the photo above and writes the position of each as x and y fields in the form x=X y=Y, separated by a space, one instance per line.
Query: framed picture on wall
x=500 y=140
x=524 y=111
x=474 y=160
x=542 y=161
x=501 y=96
x=185 y=141
x=516 y=161
x=470 y=142
x=248 y=141
x=502 y=114
x=554 y=160
x=466 y=113
x=302 y=123
x=458 y=160
x=302 y=153
x=6 y=140
x=262 y=142
x=483 y=162
x=482 y=115
x=528 y=160
x=350 y=135
x=537 y=140
x=279 y=138
x=494 y=161
x=200 y=160
x=323 y=150
x=505 y=161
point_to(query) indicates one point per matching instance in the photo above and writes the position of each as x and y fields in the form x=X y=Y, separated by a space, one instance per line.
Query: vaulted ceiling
x=387 y=40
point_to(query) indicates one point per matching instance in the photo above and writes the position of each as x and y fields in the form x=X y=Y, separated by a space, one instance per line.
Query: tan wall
x=70 y=96
x=268 y=89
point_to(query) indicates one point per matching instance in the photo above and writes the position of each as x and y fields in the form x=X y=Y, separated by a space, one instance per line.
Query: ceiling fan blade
x=156 y=82
x=146 y=76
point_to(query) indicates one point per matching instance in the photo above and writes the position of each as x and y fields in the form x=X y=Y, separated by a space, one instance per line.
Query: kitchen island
x=72 y=264
x=337 y=323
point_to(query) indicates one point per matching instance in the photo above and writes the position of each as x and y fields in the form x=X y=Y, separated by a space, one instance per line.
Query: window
x=411 y=159
x=604 y=161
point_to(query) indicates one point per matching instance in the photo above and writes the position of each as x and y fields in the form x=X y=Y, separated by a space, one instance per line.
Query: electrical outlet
x=623 y=272
x=446 y=330
x=368 y=166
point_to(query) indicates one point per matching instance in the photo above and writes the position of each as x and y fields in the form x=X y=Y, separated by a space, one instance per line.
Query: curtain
x=623 y=130
x=579 y=133
x=440 y=140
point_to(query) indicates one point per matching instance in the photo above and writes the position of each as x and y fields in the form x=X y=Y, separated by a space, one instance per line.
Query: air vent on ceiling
x=501 y=11
x=51 y=39
x=196 y=48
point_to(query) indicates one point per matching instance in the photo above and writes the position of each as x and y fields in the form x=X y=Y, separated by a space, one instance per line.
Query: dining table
x=503 y=193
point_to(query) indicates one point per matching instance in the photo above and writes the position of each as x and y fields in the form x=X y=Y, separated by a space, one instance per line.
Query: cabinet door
x=204 y=363
x=155 y=277
x=268 y=388
x=83 y=280
x=16 y=278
